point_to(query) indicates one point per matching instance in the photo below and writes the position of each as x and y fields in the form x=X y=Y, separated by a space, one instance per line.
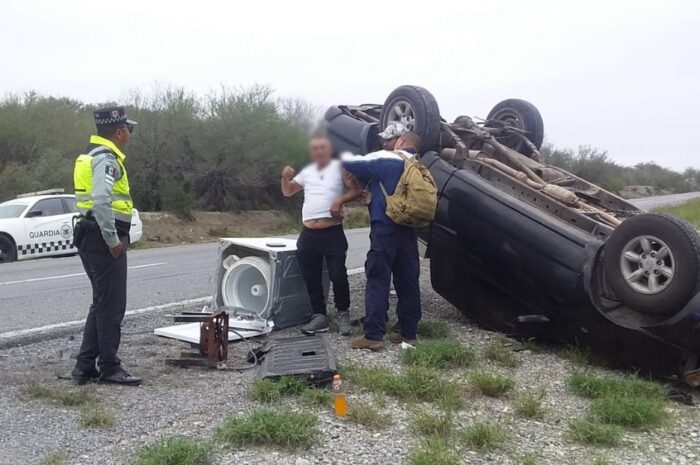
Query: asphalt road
x=50 y=291
x=650 y=203
x=53 y=291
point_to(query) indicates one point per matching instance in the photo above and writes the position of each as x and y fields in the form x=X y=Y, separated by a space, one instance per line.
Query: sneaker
x=344 y=326
x=363 y=343
x=317 y=324
x=121 y=377
x=408 y=343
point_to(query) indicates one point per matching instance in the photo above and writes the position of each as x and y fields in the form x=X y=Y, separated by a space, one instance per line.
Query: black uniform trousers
x=315 y=245
x=102 y=332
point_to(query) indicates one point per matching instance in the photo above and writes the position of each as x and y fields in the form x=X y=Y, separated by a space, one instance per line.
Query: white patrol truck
x=40 y=224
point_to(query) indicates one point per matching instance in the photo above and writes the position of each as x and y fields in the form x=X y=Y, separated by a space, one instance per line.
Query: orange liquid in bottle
x=340 y=404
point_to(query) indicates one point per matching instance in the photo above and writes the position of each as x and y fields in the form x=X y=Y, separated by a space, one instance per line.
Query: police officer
x=103 y=197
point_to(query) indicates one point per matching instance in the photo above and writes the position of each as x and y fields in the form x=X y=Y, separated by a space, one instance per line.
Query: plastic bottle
x=340 y=404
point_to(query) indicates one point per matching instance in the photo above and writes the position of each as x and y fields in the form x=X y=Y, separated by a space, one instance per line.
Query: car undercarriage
x=532 y=250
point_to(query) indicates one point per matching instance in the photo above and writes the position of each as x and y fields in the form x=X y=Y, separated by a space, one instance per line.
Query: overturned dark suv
x=534 y=251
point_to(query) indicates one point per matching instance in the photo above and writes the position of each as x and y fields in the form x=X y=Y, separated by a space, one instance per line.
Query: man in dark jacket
x=393 y=248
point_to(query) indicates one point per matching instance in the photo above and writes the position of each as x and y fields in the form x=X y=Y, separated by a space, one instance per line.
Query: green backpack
x=414 y=200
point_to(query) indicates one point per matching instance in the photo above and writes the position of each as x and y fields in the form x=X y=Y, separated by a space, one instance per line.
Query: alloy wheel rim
x=402 y=112
x=648 y=265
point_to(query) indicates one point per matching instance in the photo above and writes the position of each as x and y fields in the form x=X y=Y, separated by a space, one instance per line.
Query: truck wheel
x=652 y=263
x=522 y=115
x=415 y=108
x=8 y=250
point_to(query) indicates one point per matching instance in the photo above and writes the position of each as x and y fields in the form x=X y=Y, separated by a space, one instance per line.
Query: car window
x=11 y=210
x=48 y=207
x=70 y=205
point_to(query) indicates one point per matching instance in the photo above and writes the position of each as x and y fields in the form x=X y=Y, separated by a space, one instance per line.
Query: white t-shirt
x=321 y=189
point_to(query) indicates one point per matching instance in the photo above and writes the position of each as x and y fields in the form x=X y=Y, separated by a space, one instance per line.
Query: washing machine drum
x=246 y=285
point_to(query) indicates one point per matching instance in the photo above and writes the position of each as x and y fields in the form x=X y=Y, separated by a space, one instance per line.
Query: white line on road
x=73 y=275
x=139 y=311
x=70 y=324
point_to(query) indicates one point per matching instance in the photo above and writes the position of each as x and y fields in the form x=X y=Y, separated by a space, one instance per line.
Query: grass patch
x=529 y=404
x=579 y=356
x=176 y=450
x=58 y=457
x=601 y=461
x=413 y=384
x=626 y=401
x=434 y=451
x=318 y=397
x=438 y=354
x=483 y=435
x=267 y=390
x=65 y=397
x=630 y=412
x=365 y=414
x=528 y=459
x=498 y=352
x=430 y=424
x=95 y=416
x=268 y=427
x=589 y=431
x=491 y=385
x=433 y=330
x=689 y=211
x=594 y=387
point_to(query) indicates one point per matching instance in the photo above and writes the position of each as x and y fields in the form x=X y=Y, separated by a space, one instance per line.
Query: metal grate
x=309 y=357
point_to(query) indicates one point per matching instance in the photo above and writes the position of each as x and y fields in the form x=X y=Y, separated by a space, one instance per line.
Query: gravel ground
x=193 y=402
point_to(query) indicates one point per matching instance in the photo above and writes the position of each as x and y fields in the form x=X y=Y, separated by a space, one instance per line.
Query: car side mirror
x=35 y=213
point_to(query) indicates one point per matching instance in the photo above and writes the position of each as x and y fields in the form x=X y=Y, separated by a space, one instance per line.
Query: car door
x=49 y=229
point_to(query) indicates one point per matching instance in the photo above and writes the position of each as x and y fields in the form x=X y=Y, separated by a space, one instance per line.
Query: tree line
x=218 y=152
x=596 y=166
x=223 y=151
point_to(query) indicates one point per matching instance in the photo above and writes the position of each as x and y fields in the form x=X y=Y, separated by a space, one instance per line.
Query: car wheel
x=8 y=250
x=522 y=115
x=652 y=263
x=415 y=108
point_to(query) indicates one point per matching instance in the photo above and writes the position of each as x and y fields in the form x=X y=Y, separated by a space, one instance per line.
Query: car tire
x=652 y=263
x=415 y=107
x=8 y=249
x=522 y=115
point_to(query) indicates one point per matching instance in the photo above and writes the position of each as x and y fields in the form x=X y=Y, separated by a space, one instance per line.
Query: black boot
x=81 y=377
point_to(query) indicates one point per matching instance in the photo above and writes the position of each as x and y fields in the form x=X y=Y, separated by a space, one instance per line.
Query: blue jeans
x=393 y=250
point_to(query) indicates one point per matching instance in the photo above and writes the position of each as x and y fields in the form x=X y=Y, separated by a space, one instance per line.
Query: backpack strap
x=381 y=186
x=401 y=154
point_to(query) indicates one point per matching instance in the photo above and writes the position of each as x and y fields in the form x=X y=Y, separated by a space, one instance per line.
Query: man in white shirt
x=327 y=187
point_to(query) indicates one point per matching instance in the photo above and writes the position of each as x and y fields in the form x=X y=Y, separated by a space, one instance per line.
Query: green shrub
x=529 y=404
x=438 y=354
x=592 y=386
x=589 y=431
x=175 y=451
x=433 y=329
x=268 y=427
x=502 y=355
x=432 y=424
x=483 y=435
x=434 y=451
x=629 y=411
x=365 y=414
x=491 y=385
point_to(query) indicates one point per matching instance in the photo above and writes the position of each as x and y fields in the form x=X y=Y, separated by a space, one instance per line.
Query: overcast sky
x=623 y=76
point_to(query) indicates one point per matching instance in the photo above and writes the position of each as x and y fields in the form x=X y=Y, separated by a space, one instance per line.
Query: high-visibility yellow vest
x=122 y=204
